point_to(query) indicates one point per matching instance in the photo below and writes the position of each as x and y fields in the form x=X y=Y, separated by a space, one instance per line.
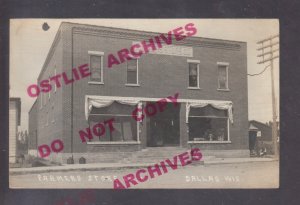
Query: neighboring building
x=14 y=122
x=32 y=129
x=210 y=76
x=22 y=144
x=260 y=136
x=264 y=130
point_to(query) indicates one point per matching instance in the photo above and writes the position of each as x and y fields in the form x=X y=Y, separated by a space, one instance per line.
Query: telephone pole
x=268 y=54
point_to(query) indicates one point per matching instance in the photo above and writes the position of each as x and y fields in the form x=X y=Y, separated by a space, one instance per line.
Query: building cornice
x=141 y=35
x=135 y=35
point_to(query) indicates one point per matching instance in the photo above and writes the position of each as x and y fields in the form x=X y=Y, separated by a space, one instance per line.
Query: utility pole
x=268 y=50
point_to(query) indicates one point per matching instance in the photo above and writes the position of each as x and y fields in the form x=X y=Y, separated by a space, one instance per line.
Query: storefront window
x=125 y=126
x=125 y=129
x=208 y=124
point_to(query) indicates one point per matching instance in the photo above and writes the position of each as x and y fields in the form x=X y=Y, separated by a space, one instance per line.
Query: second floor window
x=222 y=77
x=96 y=67
x=193 y=75
x=132 y=72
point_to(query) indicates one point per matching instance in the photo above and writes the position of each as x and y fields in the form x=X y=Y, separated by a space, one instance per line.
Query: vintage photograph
x=144 y=103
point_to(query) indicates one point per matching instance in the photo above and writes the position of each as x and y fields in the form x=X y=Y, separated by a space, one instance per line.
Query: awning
x=104 y=101
x=253 y=128
x=216 y=104
x=96 y=102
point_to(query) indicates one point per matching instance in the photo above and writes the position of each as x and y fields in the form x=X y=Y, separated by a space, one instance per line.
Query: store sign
x=173 y=50
x=259 y=134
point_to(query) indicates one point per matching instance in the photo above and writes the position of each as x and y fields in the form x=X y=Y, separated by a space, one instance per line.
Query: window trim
x=113 y=143
x=209 y=117
x=227 y=76
x=194 y=88
x=132 y=85
x=193 y=61
x=95 y=83
x=137 y=74
x=209 y=142
x=101 y=55
x=198 y=74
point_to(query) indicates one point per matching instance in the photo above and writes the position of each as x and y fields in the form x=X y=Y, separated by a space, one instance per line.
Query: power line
x=269 y=54
x=255 y=74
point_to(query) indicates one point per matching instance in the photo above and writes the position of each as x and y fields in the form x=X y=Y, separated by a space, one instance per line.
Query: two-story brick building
x=209 y=75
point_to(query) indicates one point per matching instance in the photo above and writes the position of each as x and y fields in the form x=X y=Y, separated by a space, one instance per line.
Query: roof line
x=149 y=32
x=50 y=50
x=32 y=105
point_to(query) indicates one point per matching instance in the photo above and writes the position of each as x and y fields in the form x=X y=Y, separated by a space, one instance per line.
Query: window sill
x=224 y=90
x=209 y=142
x=194 y=88
x=95 y=83
x=132 y=85
x=113 y=143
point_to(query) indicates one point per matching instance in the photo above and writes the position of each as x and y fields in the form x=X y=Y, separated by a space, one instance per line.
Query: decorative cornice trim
x=141 y=35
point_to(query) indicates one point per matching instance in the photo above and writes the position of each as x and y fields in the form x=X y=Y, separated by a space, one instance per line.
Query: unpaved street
x=239 y=175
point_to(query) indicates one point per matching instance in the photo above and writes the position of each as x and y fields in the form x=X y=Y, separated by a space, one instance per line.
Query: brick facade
x=159 y=76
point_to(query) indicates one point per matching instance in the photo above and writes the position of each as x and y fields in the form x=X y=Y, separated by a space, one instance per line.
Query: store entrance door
x=164 y=127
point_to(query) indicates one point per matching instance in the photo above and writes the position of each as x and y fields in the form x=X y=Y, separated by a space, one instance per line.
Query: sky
x=30 y=44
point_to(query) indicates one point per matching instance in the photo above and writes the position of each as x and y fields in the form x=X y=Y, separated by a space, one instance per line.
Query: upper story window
x=223 y=76
x=132 y=72
x=96 y=67
x=194 y=73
